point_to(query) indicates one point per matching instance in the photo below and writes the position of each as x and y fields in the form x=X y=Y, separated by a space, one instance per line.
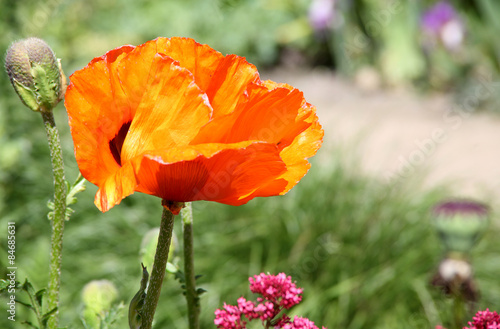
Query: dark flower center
x=116 y=144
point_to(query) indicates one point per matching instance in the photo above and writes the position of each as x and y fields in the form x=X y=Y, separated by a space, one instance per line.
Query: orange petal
x=304 y=146
x=200 y=60
x=171 y=113
x=213 y=172
x=229 y=83
x=224 y=79
x=117 y=186
x=274 y=116
x=96 y=109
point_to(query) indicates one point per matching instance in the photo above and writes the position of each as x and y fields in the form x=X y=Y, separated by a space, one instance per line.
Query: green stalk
x=58 y=217
x=158 y=271
x=458 y=309
x=191 y=293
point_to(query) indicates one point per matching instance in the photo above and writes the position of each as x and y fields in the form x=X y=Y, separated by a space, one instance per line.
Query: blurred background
x=408 y=93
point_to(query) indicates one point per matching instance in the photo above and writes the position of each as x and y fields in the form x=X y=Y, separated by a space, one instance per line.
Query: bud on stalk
x=35 y=74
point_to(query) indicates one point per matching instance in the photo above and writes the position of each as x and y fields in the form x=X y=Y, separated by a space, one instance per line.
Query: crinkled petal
x=97 y=108
x=117 y=186
x=171 y=113
x=272 y=115
x=213 y=172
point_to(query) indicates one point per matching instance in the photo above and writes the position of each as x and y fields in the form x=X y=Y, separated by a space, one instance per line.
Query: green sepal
x=27 y=95
x=46 y=80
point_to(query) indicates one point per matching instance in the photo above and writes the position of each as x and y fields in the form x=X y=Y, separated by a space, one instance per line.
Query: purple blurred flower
x=322 y=14
x=463 y=207
x=437 y=16
x=441 y=22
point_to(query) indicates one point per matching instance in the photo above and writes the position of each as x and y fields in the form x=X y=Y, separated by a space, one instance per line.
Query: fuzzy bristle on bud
x=35 y=74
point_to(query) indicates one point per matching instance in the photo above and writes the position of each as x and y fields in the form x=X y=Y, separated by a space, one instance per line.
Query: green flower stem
x=191 y=293
x=458 y=310
x=58 y=218
x=158 y=271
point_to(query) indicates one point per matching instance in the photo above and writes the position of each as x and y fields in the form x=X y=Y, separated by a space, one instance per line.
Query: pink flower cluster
x=278 y=289
x=485 y=320
x=278 y=292
x=482 y=320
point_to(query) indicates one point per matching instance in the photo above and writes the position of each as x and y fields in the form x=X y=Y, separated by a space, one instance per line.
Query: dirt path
x=402 y=135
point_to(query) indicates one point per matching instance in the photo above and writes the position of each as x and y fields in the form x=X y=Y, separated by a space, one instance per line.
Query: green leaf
x=47 y=315
x=171 y=268
x=28 y=287
x=30 y=324
x=179 y=275
x=77 y=187
x=3 y=285
x=25 y=304
x=112 y=316
x=39 y=296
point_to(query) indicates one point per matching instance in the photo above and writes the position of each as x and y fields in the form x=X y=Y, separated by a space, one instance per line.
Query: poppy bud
x=97 y=297
x=460 y=223
x=35 y=74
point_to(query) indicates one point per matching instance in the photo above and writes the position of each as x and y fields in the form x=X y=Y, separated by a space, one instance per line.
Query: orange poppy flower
x=178 y=120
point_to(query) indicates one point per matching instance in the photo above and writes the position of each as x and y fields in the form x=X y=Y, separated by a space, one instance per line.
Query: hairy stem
x=158 y=271
x=58 y=216
x=191 y=293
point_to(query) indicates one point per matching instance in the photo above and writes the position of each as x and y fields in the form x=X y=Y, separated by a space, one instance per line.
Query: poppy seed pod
x=460 y=223
x=35 y=74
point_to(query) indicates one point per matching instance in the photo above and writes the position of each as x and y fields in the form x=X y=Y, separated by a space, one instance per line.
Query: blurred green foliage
x=362 y=250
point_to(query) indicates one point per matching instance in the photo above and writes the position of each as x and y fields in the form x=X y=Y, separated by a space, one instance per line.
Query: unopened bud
x=97 y=297
x=460 y=223
x=35 y=74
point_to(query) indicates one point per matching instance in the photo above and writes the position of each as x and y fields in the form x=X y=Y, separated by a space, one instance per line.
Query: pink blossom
x=278 y=289
x=298 y=323
x=229 y=318
x=278 y=292
x=485 y=320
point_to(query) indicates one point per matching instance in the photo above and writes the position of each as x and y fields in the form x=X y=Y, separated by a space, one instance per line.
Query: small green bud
x=97 y=297
x=35 y=74
x=460 y=223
